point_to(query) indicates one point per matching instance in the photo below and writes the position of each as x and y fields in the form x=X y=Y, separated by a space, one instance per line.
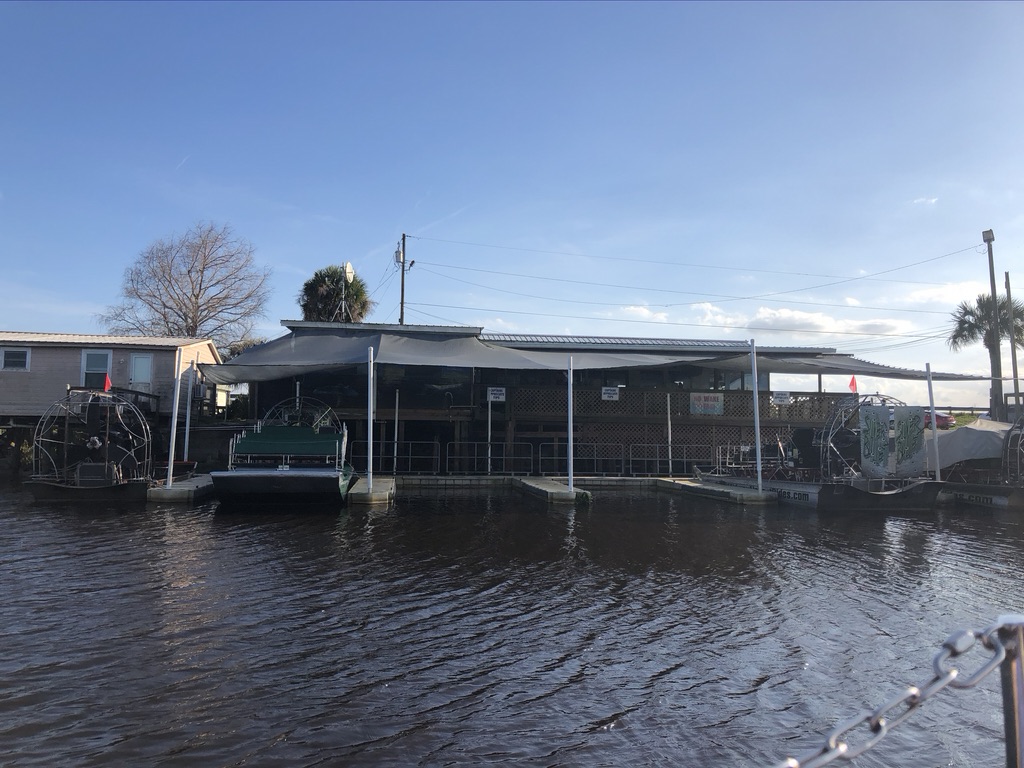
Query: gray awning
x=307 y=350
x=834 y=365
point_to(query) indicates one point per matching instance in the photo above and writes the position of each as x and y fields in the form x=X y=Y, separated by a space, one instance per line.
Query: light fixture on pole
x=996 y=404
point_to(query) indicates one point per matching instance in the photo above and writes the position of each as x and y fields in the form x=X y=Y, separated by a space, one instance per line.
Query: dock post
x=174 y=417
x=1011 y=633
x=369 y=420
x=570 y=443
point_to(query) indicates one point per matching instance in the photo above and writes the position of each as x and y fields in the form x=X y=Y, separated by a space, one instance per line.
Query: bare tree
x=204 y=284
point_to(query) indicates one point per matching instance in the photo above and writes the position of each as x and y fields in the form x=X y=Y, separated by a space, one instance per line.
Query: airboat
x=869 y=456
x=294 y=455
x=91 y=446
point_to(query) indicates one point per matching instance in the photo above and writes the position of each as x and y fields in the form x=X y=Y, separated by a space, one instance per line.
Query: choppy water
x=468 y=630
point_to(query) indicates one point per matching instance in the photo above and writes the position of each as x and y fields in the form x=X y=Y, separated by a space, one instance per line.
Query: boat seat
x=298 y=442
x=94 y=474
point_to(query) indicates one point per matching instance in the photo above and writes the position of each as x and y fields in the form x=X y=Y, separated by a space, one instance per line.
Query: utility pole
x=400 y=261
x=996 y=406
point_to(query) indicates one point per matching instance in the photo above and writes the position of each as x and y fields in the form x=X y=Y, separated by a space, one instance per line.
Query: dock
x=190 y=490
x=552 y=490
x=739 y=496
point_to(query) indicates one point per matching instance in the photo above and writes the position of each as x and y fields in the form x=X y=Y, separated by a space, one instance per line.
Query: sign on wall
x=781 y=398
x=707 y=403
x=609 y=393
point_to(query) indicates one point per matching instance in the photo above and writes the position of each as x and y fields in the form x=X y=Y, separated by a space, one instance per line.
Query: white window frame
x=85 y=355
x=3 y=358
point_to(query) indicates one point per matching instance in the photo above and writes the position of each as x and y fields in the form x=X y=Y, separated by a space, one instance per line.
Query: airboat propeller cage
x=91 y=426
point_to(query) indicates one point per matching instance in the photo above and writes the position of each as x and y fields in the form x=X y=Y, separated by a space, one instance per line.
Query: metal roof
x=547 y=341
x=22 y=338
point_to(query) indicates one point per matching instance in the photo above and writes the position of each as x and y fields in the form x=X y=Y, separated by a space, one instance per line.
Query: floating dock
x=191 y=490
x=553 y=490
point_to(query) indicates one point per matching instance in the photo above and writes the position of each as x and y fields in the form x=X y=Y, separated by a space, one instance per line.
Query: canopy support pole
x=174 y=417
x=757 y=414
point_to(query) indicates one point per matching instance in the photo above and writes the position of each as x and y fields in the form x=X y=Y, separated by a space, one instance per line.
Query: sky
x=796 y=174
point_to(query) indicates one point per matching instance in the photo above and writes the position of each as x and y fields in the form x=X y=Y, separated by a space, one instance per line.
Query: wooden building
x=37 y=368
x=454 y=400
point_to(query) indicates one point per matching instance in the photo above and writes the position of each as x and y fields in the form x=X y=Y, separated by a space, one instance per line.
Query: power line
x=665 y=322
x=724 y=297
x=841 y=278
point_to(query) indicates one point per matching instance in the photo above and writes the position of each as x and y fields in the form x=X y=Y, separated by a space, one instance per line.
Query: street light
x=996 y=404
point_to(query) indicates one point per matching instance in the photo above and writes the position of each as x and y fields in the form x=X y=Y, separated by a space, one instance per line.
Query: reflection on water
x=461 y=629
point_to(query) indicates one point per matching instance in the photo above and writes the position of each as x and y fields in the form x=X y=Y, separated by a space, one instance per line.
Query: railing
x=593 y=459
x=607 y=459
x=617 y=460
x=661 y=460
x=489 y=459
x=409 y=458
x=1004 y=640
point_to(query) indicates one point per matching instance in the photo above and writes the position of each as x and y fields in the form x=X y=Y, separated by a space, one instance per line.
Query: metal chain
x=839 y=746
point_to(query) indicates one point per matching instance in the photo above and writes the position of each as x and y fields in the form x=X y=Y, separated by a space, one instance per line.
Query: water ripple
x=459 y=630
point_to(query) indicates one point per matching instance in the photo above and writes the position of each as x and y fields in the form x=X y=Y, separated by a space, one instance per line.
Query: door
x=140 y=377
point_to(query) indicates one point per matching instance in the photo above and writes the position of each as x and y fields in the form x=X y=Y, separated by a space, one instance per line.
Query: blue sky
x=816 y=174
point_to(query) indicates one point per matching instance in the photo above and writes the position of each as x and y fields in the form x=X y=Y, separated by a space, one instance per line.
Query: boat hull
x=276 y=486
x=983 y=496
x=48 y=490
x=920 y=496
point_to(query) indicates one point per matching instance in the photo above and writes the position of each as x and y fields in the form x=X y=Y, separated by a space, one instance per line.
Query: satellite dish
x=349 y=272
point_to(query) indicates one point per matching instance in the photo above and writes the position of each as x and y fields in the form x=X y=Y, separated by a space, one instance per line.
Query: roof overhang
x=312 y=347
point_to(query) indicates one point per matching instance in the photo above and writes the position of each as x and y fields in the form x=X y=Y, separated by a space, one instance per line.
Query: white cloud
x=926 y=201
x=948 y=295
x=642 y=313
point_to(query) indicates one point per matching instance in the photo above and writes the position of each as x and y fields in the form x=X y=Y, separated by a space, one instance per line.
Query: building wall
x=52 y=368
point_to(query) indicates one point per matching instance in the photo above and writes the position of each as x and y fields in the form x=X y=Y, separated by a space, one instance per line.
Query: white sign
x=707 y=403
x=496 y=394
x=781 y=398
x=609 y=393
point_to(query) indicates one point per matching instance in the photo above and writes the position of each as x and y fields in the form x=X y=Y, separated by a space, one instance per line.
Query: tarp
x=833 y=364
x=981 y=439
x=307 y=350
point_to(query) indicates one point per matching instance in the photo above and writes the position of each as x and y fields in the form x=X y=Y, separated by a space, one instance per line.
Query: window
x=95 y=367
x=14 y=359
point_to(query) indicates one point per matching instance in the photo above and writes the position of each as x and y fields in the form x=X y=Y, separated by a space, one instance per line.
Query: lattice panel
x=527 y=401
x=805 y=408
x=813 y=408
x=621 y=433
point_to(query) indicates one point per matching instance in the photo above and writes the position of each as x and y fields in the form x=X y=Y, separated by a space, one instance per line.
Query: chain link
x=883 y=720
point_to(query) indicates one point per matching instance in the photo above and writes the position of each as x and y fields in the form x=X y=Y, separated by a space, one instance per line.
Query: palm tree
x=973 y=323
x=326 y=298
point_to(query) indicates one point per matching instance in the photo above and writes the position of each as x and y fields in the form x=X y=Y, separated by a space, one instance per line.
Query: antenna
x=348 y=275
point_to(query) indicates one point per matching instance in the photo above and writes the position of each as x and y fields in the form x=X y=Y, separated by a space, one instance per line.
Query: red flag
x=853 y=384
x=106 y=383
